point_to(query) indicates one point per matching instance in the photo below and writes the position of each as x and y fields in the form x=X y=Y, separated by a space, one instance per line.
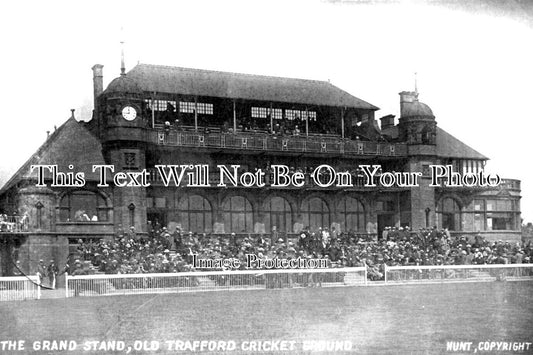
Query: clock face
x=129 y=113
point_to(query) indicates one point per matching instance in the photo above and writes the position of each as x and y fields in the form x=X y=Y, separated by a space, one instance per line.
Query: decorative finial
x=416 y=85
x=122 y=65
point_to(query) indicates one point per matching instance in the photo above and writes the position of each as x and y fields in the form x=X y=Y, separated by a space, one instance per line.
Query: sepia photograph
x=305 y=177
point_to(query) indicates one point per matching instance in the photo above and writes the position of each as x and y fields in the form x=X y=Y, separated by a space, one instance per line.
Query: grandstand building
x=158 y=115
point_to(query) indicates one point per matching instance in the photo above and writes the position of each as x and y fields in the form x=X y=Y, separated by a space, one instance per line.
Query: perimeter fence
x=457 y=273
x=98 y=285
x=16 y=288
x=21 y=288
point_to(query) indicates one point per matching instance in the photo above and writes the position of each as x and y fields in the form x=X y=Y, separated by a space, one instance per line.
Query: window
x=203 y=108
x=237 y=214
x=495 y=214
x=500 y=221
x=160 y=105
x=351 y=215
x=195 y=214
x=449 y=212
x=278 y=213
x=39 y=222
x=263 y=112
x=83 y=206
x=315 y=213
x=294 y=114
x=131 y=208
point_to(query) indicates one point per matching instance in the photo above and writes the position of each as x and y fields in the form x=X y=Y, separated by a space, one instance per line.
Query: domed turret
x=411 y=107
x=417 y=122
x=123 y=85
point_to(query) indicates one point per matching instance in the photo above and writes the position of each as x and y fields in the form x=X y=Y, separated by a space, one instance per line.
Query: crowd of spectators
x=164 y=251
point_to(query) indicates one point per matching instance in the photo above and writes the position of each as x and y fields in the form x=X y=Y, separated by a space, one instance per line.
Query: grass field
x=390 y=319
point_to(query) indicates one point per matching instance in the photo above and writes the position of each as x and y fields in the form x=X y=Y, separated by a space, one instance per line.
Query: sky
x=473 y=60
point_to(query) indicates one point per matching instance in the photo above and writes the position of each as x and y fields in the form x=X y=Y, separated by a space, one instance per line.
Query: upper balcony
x=257 y=141
x=14 y=224
x=510 y=184
x=505 y=184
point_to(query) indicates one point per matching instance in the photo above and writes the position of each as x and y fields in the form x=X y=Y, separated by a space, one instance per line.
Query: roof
x=450 y=147
x=72 y=144
x=123 y=84
x=187 y=81
x=416 y=108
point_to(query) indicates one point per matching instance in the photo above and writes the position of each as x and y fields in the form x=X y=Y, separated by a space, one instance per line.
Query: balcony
x=358 y=180
x=505 y=184
x=259 y=141
x=14 y=224
x=510 y=184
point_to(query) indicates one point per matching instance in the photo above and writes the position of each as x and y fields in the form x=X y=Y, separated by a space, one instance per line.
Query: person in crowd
x=127 y=254
x=52 y=271
x=41 y=271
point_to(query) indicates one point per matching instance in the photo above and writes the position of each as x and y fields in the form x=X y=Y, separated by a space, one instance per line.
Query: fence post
x=39 y=291
x=66 y=285
x=385 y=271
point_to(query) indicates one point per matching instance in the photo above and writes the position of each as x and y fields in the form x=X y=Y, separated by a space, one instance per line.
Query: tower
x=120 y=124
x=417 y=127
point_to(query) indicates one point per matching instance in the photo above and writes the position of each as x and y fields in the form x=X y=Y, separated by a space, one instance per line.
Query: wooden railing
x=255 y=141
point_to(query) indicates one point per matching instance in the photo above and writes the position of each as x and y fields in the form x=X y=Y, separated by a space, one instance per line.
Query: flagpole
x=153 y=111
x=271 y=119
x=306 y=122
x=195 y=113
x=342 y=121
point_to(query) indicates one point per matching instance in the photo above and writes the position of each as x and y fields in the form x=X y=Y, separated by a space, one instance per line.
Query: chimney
x=72 y=113
x=387 y=122
x=98 y=81
x=407 y=97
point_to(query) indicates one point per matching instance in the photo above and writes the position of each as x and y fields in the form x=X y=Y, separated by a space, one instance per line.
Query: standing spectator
x=53 y=270
x=41 y=271
x=274 y=236
x=176 y=236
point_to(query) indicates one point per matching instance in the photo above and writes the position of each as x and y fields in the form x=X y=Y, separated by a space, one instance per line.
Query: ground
x=408 y=319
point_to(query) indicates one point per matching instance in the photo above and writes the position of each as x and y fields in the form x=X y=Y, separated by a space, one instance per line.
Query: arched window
x=237 y=214
x=278 y=213
x=195 y=214
x=39 y=214
x=351 y=215
x=83 y=206
x=449 y=213
x=131 y=209
x=315 y=213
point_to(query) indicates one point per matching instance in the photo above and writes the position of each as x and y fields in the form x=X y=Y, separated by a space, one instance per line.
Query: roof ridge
x=228 y=72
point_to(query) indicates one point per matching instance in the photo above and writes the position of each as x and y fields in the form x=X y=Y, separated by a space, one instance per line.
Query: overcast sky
x=474 y=62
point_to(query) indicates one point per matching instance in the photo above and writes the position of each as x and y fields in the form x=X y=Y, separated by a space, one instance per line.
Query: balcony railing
x=14 y=224
x=505 y=184
x=358 y=180
x=510 y=184
x=266 y=142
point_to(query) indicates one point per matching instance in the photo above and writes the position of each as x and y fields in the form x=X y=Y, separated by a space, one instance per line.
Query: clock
x=129 y=113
